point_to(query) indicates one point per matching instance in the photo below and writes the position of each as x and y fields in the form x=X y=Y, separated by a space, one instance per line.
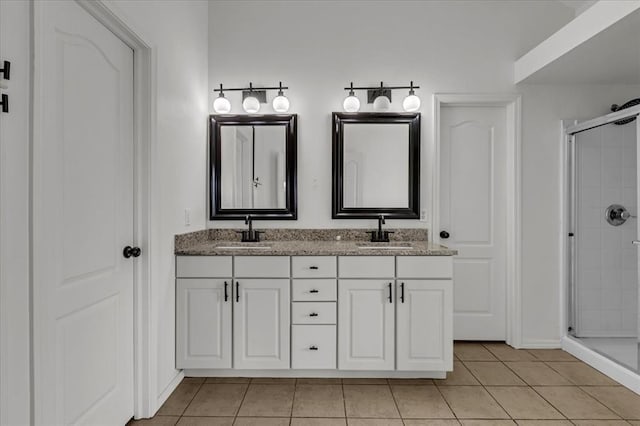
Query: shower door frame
x=569 y=211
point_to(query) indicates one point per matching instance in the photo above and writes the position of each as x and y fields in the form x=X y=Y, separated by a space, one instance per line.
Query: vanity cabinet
x=326 y=314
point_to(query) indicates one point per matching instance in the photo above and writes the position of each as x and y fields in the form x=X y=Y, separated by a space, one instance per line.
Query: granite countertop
x=308 y=243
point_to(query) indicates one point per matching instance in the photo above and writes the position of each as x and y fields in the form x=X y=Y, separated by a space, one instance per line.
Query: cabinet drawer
x=313 y=266
x=261 y=266
x=313 y=290
x=425 y=267
x=203 y=266
x=366 y=266
x=313 y=313
x=313 y=347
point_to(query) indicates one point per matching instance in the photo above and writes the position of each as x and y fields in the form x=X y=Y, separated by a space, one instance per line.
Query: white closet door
x=82 y=219
x=472 y=211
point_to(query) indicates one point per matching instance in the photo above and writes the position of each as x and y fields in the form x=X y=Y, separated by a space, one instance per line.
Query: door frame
x=144 y=118
x=513 y=104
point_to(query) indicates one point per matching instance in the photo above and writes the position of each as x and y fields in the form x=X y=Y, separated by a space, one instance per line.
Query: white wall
x=15 y=38
x=318 y=47
x=177 y=30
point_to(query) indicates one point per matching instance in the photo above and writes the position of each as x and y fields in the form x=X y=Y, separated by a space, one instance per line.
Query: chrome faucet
x=250 y=235
x=380 y=236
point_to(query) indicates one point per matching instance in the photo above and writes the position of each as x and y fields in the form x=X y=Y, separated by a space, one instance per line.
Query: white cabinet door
x=261 y=324
x=366 y=324
x=203 y=323
x=424 y=326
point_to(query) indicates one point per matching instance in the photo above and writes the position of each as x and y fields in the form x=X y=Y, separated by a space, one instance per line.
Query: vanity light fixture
x=380 y=97
x=280 y=103
x=251 y=104
x=412 y=101
x=252 y=98
x=351 y=103
x=221 y=105
x=382 y=102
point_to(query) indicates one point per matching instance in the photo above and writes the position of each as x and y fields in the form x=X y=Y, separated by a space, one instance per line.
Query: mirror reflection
x=253 y=169
x=376 y=165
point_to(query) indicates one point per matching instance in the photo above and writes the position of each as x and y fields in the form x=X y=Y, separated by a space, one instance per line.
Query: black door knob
x=129 y=251
x=444 y=235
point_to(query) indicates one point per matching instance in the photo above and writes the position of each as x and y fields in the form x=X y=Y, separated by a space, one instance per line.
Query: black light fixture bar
x=251 y=89
x=374 y=91
x=381 y=87
x=259 y=93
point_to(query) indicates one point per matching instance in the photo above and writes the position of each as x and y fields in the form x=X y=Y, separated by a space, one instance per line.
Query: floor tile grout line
x=538 y=393
x=344 y=401
x=445 y=400
x=244 y=395
x=191 y=400
x=395 y=402
x=489 y=393
x=293 y=399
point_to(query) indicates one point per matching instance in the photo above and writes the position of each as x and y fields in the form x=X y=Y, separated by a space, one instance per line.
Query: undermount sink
x=243 y=247
x=385 y=246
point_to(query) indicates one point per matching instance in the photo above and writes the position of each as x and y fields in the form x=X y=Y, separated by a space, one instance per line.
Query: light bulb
x=251 y=104
x=280 y=103
x=351 y=103
x=381 y=103
x=222 y=105
x=411 y=103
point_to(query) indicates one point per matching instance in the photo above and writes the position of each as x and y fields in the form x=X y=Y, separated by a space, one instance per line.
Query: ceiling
x=578 y=6
x=610 y=57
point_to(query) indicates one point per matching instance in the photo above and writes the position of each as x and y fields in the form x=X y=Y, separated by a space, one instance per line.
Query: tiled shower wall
x=607 y=261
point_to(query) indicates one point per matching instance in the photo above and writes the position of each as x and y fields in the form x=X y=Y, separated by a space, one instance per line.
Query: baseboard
x=330 y=373
x=166 y=393
x=541 y=344
x=620 y=374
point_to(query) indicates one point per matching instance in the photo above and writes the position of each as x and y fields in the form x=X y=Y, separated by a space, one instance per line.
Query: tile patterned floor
x=492 y=384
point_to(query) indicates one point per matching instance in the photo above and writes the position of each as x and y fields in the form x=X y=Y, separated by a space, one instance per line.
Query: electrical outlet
x=423 y=216
x=187 y=217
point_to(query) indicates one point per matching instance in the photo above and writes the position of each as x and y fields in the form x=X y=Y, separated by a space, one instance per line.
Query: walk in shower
x=603 y=234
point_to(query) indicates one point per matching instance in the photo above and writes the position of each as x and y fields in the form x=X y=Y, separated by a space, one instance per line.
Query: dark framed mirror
x=376 y=165
x=253 y=166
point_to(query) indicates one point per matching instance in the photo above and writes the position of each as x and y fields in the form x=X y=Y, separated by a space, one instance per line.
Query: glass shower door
x=604 y=253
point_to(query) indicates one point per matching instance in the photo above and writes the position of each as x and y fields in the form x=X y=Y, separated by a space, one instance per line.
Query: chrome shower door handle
x=635 y=242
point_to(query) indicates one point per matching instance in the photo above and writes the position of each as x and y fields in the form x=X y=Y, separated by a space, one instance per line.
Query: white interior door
x=82 y=219
x=472 y=212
